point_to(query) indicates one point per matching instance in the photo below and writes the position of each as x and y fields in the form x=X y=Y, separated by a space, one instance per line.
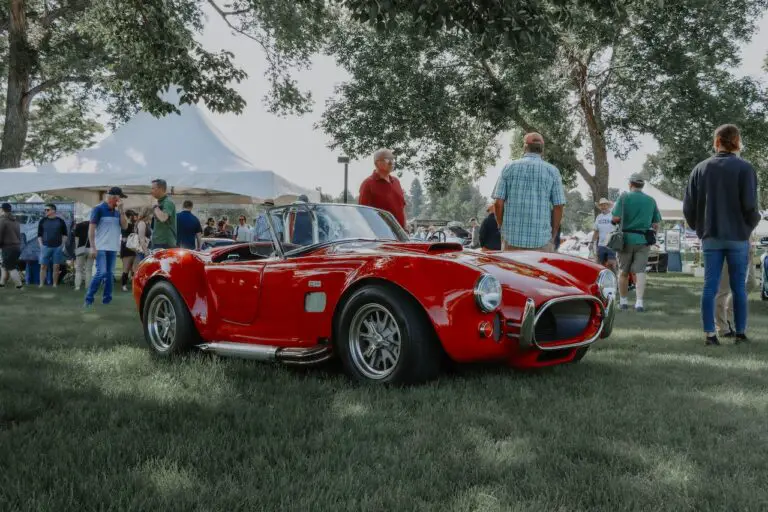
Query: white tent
x=186 y=150
x=669 y=207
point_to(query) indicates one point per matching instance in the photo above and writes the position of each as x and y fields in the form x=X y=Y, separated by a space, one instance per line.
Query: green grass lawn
x=650 y=420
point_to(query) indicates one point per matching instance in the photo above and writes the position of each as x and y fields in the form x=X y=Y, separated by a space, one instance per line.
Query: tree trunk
x=17 y=100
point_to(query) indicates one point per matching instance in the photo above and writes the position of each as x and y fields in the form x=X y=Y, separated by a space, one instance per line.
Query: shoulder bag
x=615 y=239
x=132 y=242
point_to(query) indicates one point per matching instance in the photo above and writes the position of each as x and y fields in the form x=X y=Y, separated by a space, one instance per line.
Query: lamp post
x=344 y=160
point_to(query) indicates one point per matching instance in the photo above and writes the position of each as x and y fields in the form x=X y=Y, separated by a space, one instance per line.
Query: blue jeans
x=737 y=255
x=105 y=270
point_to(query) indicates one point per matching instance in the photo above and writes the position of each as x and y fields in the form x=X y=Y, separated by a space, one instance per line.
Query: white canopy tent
x=669 y=207
x=186 y=150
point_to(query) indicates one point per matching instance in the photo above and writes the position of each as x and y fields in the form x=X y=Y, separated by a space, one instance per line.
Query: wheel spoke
x=387 y=356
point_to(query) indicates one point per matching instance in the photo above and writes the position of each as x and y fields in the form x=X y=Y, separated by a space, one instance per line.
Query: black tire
x=580 y=353
x=420 y=354
x=185 y=335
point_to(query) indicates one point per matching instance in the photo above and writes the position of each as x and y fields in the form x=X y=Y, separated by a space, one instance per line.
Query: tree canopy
x=610 y=72
x=122 y=54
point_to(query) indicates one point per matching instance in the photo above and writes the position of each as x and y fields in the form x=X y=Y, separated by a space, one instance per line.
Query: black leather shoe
x=712 y=340
x=729 y=334
x=741 y=338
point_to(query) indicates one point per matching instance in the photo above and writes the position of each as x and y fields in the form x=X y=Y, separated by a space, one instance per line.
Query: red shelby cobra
x=345 y=281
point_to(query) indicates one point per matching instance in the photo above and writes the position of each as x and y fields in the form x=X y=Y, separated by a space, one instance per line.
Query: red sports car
x=344 y=281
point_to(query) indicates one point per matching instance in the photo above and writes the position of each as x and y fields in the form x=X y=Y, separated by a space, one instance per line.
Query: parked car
x=392 y=310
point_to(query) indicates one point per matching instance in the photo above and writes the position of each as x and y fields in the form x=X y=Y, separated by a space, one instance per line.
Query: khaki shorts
x=634 y=258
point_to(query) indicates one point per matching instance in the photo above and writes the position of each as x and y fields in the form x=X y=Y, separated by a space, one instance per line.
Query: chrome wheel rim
x=161 y=323
x=374 y=340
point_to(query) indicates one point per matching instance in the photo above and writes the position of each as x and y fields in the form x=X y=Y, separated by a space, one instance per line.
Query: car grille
x=560 y=321
x=564 y=321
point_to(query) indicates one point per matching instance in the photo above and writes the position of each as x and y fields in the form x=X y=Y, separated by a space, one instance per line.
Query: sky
x=293 y=148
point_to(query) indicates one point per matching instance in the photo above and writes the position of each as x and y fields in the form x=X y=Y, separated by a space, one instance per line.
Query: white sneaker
x=125 y=288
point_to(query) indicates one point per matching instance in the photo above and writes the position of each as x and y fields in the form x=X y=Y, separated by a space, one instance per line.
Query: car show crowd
x=720 y=204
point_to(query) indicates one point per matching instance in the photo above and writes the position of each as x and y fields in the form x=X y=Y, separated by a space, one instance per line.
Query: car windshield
x=302 y=225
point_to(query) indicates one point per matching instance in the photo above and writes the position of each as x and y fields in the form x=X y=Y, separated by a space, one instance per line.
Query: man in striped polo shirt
x=529 y=200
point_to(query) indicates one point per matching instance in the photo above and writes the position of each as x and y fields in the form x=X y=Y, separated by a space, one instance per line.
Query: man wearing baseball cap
x=104 y=233
x=639 y=218
x=604 y=225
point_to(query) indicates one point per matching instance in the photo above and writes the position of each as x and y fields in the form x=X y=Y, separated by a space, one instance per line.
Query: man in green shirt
x=640 y=215
x=164 y=212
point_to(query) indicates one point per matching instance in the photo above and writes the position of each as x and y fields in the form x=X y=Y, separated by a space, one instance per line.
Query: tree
x=579 y=213
x=58 y=127
x=125 y=53
x=609 y=72
x=415 y=203
x=460 y=202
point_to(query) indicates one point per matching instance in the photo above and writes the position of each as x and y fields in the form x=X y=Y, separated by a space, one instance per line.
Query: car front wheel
x=168 y=326
x=385 y=337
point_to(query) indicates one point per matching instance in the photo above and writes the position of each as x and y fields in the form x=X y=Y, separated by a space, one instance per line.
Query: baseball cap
x=116 y=191
x=6 y=207
x=603 y=201
x=637 y=178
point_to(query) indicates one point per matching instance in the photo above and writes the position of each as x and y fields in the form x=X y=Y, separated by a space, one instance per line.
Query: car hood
x=537 y=274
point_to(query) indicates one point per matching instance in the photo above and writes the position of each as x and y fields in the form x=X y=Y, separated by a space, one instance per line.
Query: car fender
x=444 y=289
x=185 y=270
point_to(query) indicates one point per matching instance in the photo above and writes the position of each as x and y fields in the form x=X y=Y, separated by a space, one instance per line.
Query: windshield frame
x=310 y=208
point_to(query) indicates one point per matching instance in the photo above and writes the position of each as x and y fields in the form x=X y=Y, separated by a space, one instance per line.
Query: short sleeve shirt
x=108 y=232
x=603 y=226
x=189 y=226
x=385 y=195
x=165 y=232
x=639 y=212
x=81 y=233
x=530 y=188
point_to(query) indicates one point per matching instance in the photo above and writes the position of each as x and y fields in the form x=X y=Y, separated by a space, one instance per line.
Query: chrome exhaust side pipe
x=287 y=355
x=242 y=350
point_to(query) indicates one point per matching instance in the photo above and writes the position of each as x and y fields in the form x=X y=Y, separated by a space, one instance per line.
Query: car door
x=236 y=289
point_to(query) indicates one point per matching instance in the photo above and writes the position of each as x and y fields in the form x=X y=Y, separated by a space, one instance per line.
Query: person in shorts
x=604 y=225
x=52 y=237
x=10 y=246
x=641 y=219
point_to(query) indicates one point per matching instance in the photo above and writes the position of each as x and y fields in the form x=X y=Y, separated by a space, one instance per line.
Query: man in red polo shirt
x=381 y=189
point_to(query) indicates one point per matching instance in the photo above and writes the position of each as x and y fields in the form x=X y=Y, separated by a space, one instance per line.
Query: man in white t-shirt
x=243 y=232
x=603 y=226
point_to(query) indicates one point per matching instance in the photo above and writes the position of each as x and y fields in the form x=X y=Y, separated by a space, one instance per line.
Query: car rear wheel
x=383 y=336
x=168 y=326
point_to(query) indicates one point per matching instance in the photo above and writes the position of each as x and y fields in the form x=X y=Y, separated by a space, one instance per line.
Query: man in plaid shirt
x=529 y=200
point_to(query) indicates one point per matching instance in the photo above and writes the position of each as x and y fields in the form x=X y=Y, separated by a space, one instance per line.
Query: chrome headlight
x=488 y=293
x=607 y=284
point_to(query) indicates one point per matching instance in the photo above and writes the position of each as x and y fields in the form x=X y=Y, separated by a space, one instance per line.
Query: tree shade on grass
x=650 y=420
